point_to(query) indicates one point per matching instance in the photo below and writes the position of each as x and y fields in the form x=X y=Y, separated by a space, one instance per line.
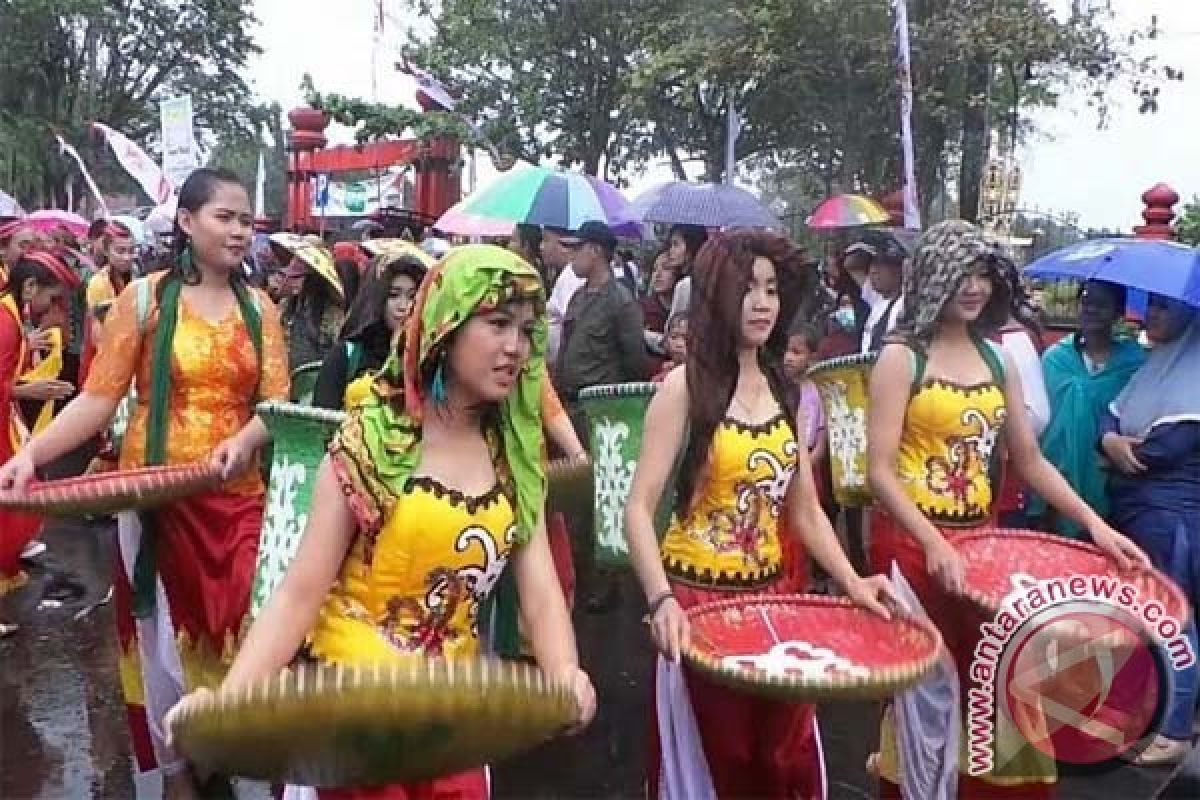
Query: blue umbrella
x=708 y=205
x=1164 y=268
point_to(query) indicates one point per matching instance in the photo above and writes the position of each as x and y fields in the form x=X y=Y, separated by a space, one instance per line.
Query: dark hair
x=801 y=326
x=724 y=270
x=96 y=228
x=1118 y=292
x=694 y=237
x=197 y=192
x=529 y=238
x=350 y=278
x=1020 y=303
x=366 y=320
x=26 y=269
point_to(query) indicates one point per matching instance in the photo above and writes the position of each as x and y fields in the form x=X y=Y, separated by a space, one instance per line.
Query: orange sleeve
x=113 y=368
x=552 y=407
x=276 y=380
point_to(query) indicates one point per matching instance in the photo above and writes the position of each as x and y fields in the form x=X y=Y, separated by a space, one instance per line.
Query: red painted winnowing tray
x=1001 y=560
x=809 y=647
x=114 y=491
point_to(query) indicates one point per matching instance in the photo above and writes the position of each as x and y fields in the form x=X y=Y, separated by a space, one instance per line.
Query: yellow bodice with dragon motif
x=730 y=536
x=416 y=587
x=948 y=449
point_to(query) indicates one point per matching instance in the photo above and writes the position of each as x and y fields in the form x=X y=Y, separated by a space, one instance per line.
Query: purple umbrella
x=709 y=205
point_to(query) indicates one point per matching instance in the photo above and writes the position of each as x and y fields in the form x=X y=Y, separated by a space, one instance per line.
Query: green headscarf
x=379 y=445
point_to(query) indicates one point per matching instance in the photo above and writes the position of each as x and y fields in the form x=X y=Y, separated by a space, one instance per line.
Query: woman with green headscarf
x=432 y=491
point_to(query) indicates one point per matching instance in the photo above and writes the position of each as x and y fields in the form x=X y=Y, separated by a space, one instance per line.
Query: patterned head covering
x=945 y=254
x=379 y=445
x=55 y=264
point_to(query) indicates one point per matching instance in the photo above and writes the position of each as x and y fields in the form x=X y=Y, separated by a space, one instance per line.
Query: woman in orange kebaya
x=202 y=349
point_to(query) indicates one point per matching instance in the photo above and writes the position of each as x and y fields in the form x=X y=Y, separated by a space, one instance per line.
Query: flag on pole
x=912 y=208
x=733 y=129
x=431 y=87
x=69 y=151
x=135 y=161
x=260 y=188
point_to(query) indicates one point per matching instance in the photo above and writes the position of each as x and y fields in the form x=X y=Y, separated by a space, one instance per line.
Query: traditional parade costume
x=948 y=462
x=183 y=584
x=727 y=544
x=423 y=567
x=16 y=529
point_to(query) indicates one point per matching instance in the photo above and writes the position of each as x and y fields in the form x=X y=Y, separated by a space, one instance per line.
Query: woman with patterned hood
x=202 y=349
x=1150 y=438
x=943 y=399
x=432 y=490
x=725 y=416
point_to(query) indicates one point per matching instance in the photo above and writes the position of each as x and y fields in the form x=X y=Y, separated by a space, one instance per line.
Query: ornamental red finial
x=1158 y=213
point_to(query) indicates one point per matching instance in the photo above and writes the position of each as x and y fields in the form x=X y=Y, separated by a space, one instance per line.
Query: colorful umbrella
x=708 y=205
x=539 y=196
x=1165 y=268
x=848 y=211
x=52 y=219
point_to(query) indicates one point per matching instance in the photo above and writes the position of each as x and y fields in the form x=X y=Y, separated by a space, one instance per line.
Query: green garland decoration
x=373 y=121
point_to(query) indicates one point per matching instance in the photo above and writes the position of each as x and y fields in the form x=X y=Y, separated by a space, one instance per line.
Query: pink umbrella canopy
x=52 y=219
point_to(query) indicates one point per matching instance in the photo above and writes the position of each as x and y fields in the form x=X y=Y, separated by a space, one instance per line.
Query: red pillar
x=306 y=136
x=1158 y=213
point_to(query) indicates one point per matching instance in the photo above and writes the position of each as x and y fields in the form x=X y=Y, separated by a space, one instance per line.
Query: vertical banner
x=180 y=156
x=69 y=151
x=912 y=209
x=733 y=129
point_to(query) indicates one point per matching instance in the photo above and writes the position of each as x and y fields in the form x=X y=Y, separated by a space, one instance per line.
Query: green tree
x=1187 y=227
x=239 y=153
x=66 y=63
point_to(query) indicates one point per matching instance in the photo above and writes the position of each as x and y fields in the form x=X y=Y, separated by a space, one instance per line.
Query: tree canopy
x=67 y=63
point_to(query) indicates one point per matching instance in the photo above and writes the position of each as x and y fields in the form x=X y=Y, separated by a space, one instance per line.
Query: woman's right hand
x=16 y=475
x=670 y=628
x=1119 y=450
x=946 y=565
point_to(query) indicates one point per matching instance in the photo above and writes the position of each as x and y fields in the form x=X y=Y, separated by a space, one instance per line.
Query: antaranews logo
x=1079 y=669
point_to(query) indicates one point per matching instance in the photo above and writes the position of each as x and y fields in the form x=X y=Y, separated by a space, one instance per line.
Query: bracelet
x=658 y=601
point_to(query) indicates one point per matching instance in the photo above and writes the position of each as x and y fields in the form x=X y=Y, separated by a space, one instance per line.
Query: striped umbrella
x=848 y=211
x=539 y=196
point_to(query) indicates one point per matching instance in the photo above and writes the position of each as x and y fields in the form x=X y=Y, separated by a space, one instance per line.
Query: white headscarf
x=1165 y=389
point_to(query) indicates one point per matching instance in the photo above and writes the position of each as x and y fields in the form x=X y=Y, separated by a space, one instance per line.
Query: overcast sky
x=1070 y=165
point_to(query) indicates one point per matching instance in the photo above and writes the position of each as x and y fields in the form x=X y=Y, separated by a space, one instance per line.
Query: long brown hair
x=724 y=269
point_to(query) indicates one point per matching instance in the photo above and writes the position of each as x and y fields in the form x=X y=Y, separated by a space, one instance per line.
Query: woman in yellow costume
x=941 y=407
x=202 y=349
x=741 y=471
x=433 y=490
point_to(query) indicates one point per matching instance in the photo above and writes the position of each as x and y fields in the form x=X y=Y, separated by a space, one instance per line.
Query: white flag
x=67 y=150
x=135 y=161
x=912 y=209
x=260 y=188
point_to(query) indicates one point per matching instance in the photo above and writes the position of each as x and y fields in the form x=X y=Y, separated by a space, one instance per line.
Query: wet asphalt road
x=63 y=733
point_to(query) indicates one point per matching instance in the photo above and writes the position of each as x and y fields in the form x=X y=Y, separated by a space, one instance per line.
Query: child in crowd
x=675 y=344
x=803 y=342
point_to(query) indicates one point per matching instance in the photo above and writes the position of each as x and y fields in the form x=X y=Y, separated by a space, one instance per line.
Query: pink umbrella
x=50 y=220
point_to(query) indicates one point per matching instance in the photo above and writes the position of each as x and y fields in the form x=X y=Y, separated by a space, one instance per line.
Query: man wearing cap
x=602 y=328
x=881 y=291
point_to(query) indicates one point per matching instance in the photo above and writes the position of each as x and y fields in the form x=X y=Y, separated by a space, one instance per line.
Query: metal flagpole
x=912 y=208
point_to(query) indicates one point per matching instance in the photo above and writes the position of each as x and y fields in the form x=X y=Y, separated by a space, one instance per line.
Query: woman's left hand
x=874 y=594
x=580 y=685
x=232 y=457
x=1118 y=547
